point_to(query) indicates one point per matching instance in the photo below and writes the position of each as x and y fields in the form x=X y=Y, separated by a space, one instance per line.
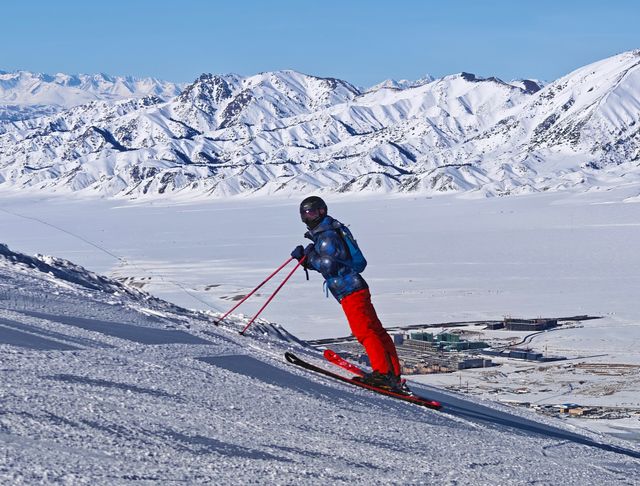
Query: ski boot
x=389 y=382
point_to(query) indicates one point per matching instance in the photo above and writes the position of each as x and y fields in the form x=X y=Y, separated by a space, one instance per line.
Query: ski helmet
x=312 y=211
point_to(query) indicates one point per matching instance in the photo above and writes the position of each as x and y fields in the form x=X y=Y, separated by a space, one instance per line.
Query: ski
x=407 y=397
x=338 y=360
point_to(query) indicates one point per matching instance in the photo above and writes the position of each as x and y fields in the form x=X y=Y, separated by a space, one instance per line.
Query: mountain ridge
x=287 y=132
x=25 y=94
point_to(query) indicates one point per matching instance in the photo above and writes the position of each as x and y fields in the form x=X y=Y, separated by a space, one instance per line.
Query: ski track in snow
x=151 y=392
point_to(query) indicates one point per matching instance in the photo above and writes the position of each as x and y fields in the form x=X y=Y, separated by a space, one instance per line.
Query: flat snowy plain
x=431 y=260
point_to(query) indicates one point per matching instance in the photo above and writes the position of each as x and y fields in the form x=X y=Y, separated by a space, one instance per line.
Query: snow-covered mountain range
x=102 y=384
x=286 y=132
x=25 y=94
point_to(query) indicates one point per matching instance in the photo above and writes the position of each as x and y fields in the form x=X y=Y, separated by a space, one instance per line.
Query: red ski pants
x=368 y=330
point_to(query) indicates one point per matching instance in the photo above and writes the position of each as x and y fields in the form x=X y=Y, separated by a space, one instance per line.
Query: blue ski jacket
x=330 y=257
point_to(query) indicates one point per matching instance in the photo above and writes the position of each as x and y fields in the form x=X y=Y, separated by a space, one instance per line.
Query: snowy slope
x=105 y=385
x=583 y=124
x=24 y=94
x=287 y=132
x=273 y=132
x=260 y=100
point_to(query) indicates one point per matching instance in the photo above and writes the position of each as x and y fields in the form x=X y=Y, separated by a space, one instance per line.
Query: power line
x=120 y=259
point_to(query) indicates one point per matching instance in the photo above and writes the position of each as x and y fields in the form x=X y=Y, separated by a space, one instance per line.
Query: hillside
x=103 y=384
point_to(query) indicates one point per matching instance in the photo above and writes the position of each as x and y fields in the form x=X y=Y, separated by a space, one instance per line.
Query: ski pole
x=217 y=323
x=274 y=294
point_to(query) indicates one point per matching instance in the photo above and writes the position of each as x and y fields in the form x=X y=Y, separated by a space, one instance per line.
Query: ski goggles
x=311 y=215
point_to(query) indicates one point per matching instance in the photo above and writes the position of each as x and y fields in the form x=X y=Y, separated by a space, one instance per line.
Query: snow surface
x=108 y=385
x=430 y=261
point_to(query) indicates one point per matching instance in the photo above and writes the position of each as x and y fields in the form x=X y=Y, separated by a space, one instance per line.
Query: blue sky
x=363 y=42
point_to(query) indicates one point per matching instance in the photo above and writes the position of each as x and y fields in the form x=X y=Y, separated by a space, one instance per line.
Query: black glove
x=310 y=247
x=298 y=252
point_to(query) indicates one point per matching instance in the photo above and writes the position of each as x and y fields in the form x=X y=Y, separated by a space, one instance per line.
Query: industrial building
x=510 y=324
x=529 y=324
x=521 y=353
x=447 y=341
x=492 y=326
x=425 y=353
x=418 y=356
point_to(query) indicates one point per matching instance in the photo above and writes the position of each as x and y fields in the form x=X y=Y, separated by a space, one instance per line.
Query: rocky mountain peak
x=289 y=132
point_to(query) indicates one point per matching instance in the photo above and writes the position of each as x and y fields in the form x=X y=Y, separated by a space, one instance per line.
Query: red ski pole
x=274 y=294
x=217 y=323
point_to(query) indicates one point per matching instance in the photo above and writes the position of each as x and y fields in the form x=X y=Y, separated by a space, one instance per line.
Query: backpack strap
x=337 y=226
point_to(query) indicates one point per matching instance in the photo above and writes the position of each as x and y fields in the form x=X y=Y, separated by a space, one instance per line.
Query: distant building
x=418 y=356
x=529 y=324
x=492 y=326
x=447 y=341
x=421 y=336
x=577 y=412
x=521 y=353
x=398 y=339
x=425 y=353
x=518 y=353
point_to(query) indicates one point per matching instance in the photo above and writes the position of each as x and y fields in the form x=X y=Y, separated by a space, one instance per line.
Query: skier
x=335 y=254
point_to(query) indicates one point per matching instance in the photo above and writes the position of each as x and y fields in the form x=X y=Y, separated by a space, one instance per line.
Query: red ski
x=406 y=397
x=338 y=360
